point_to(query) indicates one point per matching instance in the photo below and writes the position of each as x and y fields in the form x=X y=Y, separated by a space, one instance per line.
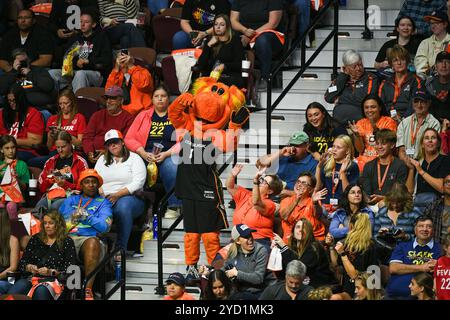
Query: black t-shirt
x=361 y=261
x=320 y=141
x=39 y=41
x=438 y=168
x=398 y=172
x=411 y=47
x=161 y=131
x=61 y=164
x=440 y=100
x=201 y=13
x=278 y=292
x=255 y=13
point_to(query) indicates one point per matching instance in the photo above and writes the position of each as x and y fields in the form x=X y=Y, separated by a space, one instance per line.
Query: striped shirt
x=405 y=221
x=118 y=9
x=417 y=9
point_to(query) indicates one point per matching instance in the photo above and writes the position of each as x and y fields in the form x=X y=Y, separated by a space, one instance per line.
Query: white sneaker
x=172 y=214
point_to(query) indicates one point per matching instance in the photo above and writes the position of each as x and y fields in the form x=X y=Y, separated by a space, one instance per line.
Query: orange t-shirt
x=305 y=209
x=365 y=130
x=185 y=296
x=246 y=213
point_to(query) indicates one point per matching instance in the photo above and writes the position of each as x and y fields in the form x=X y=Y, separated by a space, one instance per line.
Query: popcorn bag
x=67 y=67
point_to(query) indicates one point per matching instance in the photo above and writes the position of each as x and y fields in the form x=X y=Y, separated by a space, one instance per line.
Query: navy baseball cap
x=241 y=230
x=177 y=278
x=443 y=55
x=422 y=95
x=438 y=16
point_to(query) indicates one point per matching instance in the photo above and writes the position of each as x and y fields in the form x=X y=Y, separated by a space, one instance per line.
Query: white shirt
x=130 y=174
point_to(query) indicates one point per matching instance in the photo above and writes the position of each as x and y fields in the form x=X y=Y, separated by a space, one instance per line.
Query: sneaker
x=172 y=213
x=88 y=294
x=192 y=274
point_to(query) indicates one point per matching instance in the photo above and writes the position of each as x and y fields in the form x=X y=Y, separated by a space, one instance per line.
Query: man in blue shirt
x=409 y=258
x=88 y=214
x=290 y=161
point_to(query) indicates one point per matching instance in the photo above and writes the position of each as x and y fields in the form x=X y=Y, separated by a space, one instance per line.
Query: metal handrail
x=301 y=40
x=163 y=236
x=101 y=267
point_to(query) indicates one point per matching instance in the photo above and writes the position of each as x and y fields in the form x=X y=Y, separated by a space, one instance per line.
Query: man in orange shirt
x=254 y=208
x=175 y=288
x=303 y=204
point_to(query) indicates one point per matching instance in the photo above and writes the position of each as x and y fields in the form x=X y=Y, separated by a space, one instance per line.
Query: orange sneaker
x=88 y=295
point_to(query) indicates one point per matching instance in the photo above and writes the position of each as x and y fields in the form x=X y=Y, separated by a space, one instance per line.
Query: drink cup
x=157 y=148
x=245 y=68
x=32 y=187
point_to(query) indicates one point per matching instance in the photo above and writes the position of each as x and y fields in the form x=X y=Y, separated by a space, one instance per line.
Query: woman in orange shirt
x=375 y=118
x=254 y=208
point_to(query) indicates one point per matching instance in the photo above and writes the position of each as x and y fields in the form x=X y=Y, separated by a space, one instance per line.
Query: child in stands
x=442 y=272
x=176 y=288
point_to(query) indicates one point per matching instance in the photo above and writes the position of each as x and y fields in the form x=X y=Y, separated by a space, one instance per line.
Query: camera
x=229 y=266
x=23 y=64
x=124 y=51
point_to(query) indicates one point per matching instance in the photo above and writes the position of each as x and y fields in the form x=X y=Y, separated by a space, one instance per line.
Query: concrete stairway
x=290 y=117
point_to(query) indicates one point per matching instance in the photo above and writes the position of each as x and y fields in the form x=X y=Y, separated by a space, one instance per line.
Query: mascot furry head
x=209 y=105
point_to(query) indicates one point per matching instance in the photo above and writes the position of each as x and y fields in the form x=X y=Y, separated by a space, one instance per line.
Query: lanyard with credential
x=85 y=205
x=334 y=182
x=381 y=181
x=414 y=134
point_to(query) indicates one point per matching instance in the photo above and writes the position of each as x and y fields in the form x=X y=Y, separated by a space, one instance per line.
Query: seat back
x=95 y=93
x=173 y=12
x=87 y=106
x=169 y=74
x=164 y=28
x=148 y=55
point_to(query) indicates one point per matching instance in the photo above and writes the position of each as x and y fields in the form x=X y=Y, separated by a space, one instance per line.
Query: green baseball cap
x=298 y=138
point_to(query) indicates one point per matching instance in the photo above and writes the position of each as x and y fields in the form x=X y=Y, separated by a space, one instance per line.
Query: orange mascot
x=200 y=119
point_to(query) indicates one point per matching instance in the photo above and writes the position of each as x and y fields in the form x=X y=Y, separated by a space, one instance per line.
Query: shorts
x=79 y=241
x=203 y=216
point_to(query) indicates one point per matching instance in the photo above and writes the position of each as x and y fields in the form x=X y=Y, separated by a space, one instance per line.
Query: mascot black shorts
x=203 y=216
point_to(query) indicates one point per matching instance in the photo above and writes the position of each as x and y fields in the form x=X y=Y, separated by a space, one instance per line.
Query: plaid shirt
x=417 y=9
x=405 y=221
x=435 y=211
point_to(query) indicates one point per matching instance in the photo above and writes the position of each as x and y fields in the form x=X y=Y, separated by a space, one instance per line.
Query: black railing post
x=269 y=114
x=123 y=273
x=335 y=39
x=303 y=53
x=160 y=289
x=367 y=34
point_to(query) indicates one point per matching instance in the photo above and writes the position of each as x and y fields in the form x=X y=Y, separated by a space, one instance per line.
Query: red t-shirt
x=442 y=277
x=74 y=127
x=34 y=123
x=246 y=213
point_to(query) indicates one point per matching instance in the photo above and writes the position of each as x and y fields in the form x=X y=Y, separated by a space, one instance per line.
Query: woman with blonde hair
x=336 y=170
x=362 y=290
x=356 y=254
x=49 y=253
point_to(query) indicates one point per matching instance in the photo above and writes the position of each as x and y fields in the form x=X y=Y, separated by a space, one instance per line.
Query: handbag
x=275 y=260
x=9 y=187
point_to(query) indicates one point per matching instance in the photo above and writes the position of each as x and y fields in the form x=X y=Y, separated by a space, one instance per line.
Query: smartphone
x=124 y=51
x=53 y=128
x=193 y=34
x=23 y=64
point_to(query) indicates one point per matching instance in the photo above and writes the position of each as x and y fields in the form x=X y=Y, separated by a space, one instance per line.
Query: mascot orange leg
x=191 y=248
x=211 y=241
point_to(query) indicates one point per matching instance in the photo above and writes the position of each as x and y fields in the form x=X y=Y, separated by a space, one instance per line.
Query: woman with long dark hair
x=353 y=201
x=375 y=118
x=23 y=122
x=219 y=286
x=421 y=286
x=223 y=53
x=321 y=128
x=304 y=247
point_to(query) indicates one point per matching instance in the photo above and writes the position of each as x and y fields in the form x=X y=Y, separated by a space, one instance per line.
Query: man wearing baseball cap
x=86 y=215
x=429 y=48
x=176 y=283
x=290 y=161
x=103 y=120
x=411 y=129
x=438 y=87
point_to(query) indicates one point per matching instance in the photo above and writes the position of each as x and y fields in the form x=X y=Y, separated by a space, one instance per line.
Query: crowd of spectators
x=368 y=186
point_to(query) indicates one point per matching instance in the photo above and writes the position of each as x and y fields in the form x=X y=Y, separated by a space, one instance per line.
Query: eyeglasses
x=263 y=181
x=447 y=182
x=12 y=100
x=303 y=183
x=24 y=17
x=110 y=97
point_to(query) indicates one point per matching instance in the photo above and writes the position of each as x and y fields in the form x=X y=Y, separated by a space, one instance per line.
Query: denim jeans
x=181 y=40
x=266 y=47
x=23 y=286
x=4 y=286
x=168 y=175
x=127 y=35
x=55 y=203
x=156 y=5
x=303 y=8
x=25 y=156
x=125 y=210
x=81 y=79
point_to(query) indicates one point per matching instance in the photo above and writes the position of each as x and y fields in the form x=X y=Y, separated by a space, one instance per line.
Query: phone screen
x=193 y=34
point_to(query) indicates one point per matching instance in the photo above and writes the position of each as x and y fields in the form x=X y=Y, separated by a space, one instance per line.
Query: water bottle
x=155 y=226
x=118 y=267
